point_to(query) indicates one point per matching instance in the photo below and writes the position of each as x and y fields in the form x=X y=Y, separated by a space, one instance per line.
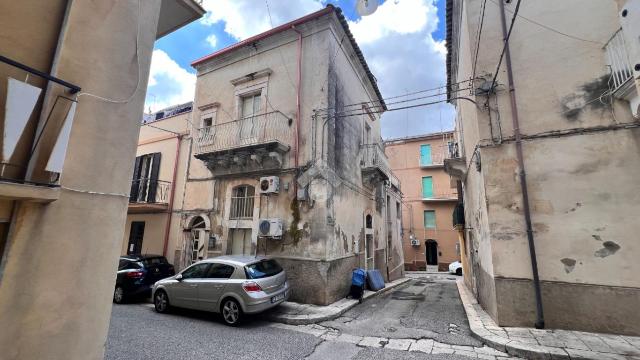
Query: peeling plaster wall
x=582 y=187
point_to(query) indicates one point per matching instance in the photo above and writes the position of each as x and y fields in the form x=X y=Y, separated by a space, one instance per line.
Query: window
x=122 y=264
x=144 y=184
x=427 y=187
x=195 y=271
x=368 y=221
x=242 y=202
x=398 y=210
x=425 y=155
x=429 y=219
x=250 y=105
x=212 y=243
x=207 y=122
x=264 y=268
x=220 y=271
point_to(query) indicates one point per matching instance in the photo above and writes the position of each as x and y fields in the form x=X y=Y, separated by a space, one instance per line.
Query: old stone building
x=73 y=81
x=549 y=159
x=429 y=240
x=287 y=161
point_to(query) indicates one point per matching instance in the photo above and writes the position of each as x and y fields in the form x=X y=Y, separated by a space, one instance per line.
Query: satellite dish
x=366 y=7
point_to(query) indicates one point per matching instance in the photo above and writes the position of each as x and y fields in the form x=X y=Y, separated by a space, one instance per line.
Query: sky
x=403 y=43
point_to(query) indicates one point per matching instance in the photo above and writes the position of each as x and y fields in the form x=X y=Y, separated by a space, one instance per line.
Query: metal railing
x=254 y=130
x=618 y=60
x=241 y=208
x=373 y=156
x=452 y=151
x=150 y=191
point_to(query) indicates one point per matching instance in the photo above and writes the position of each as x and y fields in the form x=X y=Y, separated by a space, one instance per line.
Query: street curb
x=333 y=311
x=515 y=347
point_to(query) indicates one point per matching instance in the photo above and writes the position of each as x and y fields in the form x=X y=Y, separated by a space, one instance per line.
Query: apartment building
x=429 y=241
x=73 y=87
x=158 y=181
x=548 y=159
x=286 y=161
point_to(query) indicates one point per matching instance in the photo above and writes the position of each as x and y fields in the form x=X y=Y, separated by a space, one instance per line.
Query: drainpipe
x=297 y=137
x=523 y=178
x=167 y=227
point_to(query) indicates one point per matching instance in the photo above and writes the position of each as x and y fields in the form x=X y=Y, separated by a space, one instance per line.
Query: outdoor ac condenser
x=272 y=228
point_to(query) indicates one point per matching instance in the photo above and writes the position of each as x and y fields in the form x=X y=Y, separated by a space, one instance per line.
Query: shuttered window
x=144 y=184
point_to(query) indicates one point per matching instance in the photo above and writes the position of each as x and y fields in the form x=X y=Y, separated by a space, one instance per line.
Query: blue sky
x=413 y=28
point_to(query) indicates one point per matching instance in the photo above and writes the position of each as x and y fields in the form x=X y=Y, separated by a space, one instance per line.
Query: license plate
x=277 y=298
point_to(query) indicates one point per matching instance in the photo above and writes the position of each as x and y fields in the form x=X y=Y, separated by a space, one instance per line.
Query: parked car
x=138 y=273
x=229 y=285
x=455 y=268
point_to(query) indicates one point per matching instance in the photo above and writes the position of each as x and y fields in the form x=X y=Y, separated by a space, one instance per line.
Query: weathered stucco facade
x=428 y=200
x=580 y=146
x=63 y=219
x=251 y=120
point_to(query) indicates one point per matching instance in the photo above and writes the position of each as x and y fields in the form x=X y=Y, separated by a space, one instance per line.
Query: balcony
x=375 y=165
x=454 y=164
x=622 y=81
x=440 y=195
x=175 y=14
x=149 y=196
x=249 y=144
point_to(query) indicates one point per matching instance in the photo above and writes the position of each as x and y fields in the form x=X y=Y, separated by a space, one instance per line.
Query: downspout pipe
x=298 y=105
x=167 y=227
x=539 y=324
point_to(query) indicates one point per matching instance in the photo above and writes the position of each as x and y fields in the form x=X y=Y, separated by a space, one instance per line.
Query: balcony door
x=249 y=124
x=240 y=241
x=144 y=184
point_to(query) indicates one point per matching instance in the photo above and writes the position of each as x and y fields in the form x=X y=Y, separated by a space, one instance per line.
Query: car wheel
x=459 y=271
x=118 y=295
x=231 y=312
x=161 y=301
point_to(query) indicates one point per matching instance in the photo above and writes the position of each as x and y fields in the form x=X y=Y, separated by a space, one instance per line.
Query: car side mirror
x=179 y=277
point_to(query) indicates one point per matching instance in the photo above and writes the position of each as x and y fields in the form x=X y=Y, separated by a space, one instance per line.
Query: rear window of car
x=154 y=261
x=263 y=269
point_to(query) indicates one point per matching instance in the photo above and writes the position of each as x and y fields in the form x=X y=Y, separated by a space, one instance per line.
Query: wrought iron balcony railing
x=271 y=127
x=621 y=71
x=150 y=191
x=373 y=157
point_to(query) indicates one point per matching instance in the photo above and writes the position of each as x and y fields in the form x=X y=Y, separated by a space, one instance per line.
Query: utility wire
x=475 y=60
x=399 y=96
x=506 y=43
x=552 y=29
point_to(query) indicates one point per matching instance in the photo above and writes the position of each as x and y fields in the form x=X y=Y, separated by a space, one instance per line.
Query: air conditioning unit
x=269 y=185
x=270 y=228
x=415 y=242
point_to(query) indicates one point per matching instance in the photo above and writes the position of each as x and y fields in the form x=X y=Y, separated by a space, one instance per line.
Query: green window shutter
x=425 y=155
x=427 y=187
x=429 y=219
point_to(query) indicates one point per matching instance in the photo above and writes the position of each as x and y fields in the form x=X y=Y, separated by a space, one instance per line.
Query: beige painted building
x=566 y=95
x=429 y=240
x=286 y=161
x=74 y=77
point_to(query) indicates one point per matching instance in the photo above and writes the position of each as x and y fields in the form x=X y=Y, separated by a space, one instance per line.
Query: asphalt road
x=427 y=307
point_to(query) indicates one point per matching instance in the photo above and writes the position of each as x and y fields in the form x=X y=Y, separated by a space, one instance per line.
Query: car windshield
x=262 y=269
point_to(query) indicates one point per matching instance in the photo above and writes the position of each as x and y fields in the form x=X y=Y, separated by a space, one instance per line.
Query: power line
x=506 y=43
x=552 y=29
x=400 y=96
x=475 y=60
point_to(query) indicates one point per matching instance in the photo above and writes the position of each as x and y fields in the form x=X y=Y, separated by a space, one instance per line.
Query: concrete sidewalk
x=302 y=314
x=545 y=344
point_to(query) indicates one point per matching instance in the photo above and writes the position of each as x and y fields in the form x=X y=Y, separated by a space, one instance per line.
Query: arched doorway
x=431 y=252
x=196 y=248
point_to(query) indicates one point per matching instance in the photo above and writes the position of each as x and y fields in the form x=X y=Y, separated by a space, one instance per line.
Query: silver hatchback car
x=229 y=285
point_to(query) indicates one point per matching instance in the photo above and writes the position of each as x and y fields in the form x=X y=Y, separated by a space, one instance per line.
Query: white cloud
x=245 y=18
x=397 y=43
x=212 y=40
x=169 y=84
